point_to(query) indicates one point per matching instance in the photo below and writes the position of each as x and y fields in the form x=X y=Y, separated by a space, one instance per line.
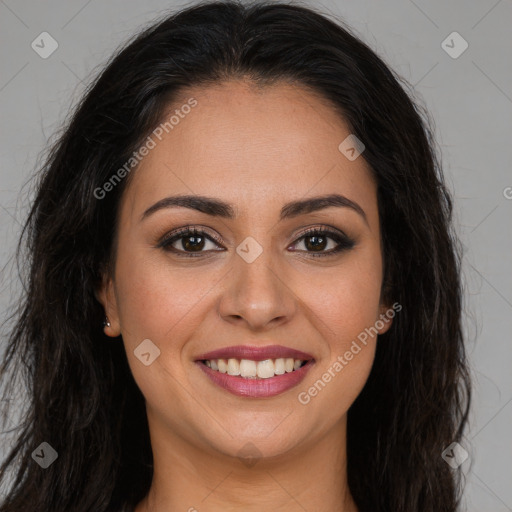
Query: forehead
x=249 y=144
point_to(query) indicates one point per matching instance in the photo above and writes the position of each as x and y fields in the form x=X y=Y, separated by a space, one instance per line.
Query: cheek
x=347 y=298
x=159 y=304
x=166 y=305
x=155 y=299
x=346 y=307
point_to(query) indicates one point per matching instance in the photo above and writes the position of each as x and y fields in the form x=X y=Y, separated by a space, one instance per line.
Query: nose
x=257 y=294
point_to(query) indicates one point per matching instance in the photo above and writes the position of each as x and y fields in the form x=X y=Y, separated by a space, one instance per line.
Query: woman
x=244 y=289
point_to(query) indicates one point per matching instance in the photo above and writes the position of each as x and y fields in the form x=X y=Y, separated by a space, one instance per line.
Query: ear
x=386 y=315
x=105 y=294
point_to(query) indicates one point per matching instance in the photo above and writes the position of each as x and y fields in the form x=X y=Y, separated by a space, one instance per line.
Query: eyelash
x=343 y=241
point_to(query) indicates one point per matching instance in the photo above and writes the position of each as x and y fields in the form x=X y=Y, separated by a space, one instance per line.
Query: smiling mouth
x=257 y=370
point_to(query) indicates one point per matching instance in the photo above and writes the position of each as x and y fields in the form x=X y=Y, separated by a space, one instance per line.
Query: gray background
x=469 y=97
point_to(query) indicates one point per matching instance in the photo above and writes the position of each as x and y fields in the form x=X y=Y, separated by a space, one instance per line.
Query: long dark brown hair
x=83 y=399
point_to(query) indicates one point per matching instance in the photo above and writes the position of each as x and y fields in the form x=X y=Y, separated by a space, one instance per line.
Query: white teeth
x=233 y=367
x=247 y=368
x=255 y=369
x=223 y=365
x=279 y=366
x=266 y=369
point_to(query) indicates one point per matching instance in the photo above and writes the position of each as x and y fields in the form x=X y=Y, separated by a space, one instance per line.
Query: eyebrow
x=218 y=208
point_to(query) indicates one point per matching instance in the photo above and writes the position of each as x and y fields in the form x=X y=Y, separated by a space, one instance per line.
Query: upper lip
x=255 y=353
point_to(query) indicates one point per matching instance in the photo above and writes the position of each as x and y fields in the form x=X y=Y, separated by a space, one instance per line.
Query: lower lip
x=257 y=388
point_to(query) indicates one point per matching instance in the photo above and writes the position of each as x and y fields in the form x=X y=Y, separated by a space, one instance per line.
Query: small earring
x=106 y=322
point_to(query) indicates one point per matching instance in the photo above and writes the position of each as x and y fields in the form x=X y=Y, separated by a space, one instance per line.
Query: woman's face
x=252 y=278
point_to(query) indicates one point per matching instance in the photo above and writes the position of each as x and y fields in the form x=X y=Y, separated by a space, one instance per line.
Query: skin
x=257 y=149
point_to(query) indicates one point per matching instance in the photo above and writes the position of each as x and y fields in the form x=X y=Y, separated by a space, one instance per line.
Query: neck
x=312 y=476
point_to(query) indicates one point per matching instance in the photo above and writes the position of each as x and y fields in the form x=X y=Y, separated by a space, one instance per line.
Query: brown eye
x=193 y=242
x=188 y=241
x=317 y=240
